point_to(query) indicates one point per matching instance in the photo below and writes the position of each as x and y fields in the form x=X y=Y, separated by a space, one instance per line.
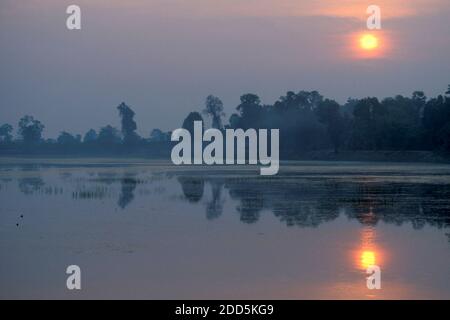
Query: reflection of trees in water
x=4 y=183
x=214 y=208
x=91 y=193
x=310 y=202
x=96 y=187
x=35 y=185
x=305 y=214
x=193 y=188
x=251 y=200
x=295 y=201
x=106 y=177
x=128 y=185
x=292 y=202
x=396 y=203
x=104 y=189
x=30 y=185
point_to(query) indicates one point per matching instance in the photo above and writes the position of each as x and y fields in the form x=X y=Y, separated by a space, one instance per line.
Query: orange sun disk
x=368 y=42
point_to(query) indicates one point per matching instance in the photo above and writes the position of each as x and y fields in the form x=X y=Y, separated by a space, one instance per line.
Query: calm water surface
x=152 y=230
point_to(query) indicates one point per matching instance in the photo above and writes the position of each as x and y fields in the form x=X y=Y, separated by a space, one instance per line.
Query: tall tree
x=30 y=130
x=214 y=109
x=129 y=126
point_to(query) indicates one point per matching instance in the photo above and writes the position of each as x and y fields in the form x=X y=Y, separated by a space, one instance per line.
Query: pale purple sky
x=163 y=57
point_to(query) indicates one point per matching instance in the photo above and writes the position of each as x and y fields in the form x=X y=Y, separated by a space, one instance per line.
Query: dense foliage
x=307 y=121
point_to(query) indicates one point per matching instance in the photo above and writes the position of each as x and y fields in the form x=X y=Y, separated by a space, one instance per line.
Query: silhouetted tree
x=234 y=121
x=214 y=109
x=30 y=130
x=6 y=133
x=109 y=136
x=66 y=138
x=307 y=121
x=309 y=100
x=90 y=136
x=250 y=110
x=129 y=126
x=368 y=124
x=296 y=117
x=419 y=99
x=329 y=114
x=401 y=122
x=157 y=135
x=436 y=117
x=444 y=137
x=30 y=185
x=349 y=107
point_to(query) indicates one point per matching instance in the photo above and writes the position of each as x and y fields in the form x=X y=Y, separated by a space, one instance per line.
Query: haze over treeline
x=307 y=121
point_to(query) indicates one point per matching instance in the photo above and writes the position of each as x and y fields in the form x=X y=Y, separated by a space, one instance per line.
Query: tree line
x=307 y=121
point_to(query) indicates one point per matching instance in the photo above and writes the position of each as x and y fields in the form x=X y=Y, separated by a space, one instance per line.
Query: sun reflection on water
x=368 y=258
x=368 y=254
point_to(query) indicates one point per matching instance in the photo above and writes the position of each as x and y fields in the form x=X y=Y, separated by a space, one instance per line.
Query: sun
x=368 y=42
x=368 y=45
x=367 y=259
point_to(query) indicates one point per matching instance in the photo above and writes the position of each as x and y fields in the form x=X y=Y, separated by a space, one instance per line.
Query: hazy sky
x=163 y=57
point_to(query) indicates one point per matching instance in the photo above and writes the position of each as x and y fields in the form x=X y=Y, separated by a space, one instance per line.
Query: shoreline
x=320 y=155
x=377 y=156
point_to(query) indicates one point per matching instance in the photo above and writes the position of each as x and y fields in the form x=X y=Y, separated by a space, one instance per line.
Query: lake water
x=143 y=229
